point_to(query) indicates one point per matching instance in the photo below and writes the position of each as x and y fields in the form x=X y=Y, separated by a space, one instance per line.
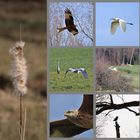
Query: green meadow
x=131 y=72
x=70 y=58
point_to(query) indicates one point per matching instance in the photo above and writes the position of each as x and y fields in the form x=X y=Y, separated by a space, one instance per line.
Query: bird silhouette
x=77 y=70
x=116 y=118
x=116 y=22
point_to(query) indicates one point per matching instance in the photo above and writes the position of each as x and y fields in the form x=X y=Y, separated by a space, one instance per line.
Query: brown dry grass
x=33 y=18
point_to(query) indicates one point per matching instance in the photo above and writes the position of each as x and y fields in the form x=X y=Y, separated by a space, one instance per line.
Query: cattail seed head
x=19 y=68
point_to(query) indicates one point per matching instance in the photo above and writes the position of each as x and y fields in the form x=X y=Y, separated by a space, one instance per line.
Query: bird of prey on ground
x=70 y=26
x=77 y=70
x=77 y=121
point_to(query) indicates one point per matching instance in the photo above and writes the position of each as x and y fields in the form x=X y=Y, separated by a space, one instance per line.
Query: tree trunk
x=132 y=56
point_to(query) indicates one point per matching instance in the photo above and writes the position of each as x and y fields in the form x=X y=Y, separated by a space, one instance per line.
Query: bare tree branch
x=116 y=106
x=109 y=112
x=83 y=29
x=121 y=98
x=136 y=113
x=111 y=99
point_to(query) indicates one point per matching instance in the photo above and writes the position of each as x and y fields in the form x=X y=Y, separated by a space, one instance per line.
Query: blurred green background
x=31 y=14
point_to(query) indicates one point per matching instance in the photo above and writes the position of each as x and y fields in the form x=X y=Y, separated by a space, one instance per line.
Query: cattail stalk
x=21 y=120
x=24 y=125
x=19 y=79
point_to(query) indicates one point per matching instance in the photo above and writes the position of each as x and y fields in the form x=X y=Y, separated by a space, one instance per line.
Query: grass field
x=131 y=72
x=70 y=58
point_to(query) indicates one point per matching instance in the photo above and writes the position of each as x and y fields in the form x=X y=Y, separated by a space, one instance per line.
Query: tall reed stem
x=21 y=120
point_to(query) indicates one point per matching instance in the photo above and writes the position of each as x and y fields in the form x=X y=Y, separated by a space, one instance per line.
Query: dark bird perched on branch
x=77 y=70
x=70 y=26
x=116 y=118
x=77 y=121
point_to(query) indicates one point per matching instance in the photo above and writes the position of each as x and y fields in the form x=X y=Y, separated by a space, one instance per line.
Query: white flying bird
x=118 y=22
x=77 y=70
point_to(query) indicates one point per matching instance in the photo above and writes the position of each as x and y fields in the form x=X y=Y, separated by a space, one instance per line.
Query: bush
x=107 y=79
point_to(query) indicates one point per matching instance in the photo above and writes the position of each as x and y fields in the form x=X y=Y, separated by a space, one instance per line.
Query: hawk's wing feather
x=64 y=128
x=70 y=22
x=87 y=104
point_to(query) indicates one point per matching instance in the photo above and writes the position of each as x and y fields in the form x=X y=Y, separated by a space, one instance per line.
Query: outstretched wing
x=68 y=17
x=66 y=72
x=114 y=26
x=87 y=104
x=122 y=24
x=64 y=128
x=84 y=73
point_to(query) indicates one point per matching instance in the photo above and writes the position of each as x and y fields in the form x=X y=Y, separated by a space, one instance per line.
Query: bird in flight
x=77 y=70
x=70 y=26
x=113 y=68
x=77 y=121
x=116 y=118
x=116 y=22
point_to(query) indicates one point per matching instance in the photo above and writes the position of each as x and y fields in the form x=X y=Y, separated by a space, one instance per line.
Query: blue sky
x=127 y=11
x=59 y=103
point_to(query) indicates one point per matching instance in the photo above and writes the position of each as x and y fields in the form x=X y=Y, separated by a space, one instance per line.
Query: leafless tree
x=105 y=105
x=121 y=56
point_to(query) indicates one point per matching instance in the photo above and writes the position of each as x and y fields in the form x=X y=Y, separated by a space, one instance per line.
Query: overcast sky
x=60 y=103
x=129 y=123
x=128 y=11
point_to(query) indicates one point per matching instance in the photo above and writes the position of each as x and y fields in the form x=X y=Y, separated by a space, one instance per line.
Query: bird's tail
x=61 y=29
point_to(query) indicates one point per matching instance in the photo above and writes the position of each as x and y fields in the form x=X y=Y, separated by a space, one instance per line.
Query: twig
x=136 y=113
x=111 y=99
x=109 y=112
x=20 y=33
x=83 y=30
x=121 y=98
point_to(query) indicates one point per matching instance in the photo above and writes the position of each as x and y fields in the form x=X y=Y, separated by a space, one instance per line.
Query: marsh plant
x=19 y=80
